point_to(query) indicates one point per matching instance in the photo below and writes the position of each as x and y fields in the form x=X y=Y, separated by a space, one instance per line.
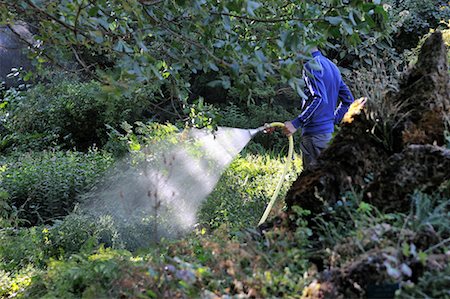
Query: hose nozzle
x=254 y=132
x=267 y=128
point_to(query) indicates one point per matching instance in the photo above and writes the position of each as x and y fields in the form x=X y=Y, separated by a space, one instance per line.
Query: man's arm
x=303 y=118
x=313 y=102
x=346 y=98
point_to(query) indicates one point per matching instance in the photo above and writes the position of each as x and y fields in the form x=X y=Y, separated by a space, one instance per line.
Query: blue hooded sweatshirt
x=328 y=97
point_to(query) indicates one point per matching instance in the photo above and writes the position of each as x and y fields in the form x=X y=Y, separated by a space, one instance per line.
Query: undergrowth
x=240 y=197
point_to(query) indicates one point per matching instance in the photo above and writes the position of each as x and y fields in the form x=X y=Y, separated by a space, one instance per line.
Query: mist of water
x=157 y=192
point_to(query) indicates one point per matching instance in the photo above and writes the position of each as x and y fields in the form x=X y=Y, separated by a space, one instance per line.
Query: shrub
x=70 y=113
x=86 y=275
x=414 y=18
x=255 y=116
x=243 y=191
x=374 y=82
x=44 y=185
x=14 y=285
x=20 y=248
x=432 y=284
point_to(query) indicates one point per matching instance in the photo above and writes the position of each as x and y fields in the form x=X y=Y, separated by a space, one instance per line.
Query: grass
x=225 y=255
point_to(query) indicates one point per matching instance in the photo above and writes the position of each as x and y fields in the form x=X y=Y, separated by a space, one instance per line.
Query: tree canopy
x=123 y=42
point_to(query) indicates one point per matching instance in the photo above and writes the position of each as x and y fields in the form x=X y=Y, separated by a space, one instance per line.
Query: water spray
x=253 y=132
x=157 y=191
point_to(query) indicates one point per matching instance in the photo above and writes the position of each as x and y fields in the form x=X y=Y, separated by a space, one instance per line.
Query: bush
x=414 y=18
x=374 y=82
x=85 y=275
x=70 y=113
x=255 y=116
x=44 y=185
x=243 y=191
x=22 y=247
x=14 y=285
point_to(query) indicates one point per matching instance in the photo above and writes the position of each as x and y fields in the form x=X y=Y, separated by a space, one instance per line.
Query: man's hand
x=268 y=129
x=289 y=128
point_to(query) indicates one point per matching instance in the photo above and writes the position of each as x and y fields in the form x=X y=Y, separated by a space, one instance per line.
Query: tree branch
x=261 y=20
x=186 y=39
x=143 y=2
x=53 y=18
x=85 y=67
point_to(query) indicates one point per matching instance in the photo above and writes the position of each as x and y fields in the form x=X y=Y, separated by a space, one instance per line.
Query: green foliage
x=202 y=115
x=34 y=246
x=14 y=285
x=430 y=212
x=255 y=116
x=420 y=16
x=414 y=18
x=136 y=138
x=239 y=199
x=70 y=113
x=64 y=260
x=87 y=275
x=432 y=284
x=353 y=228
x=132 y=42
x=412 y=55
x=20 y=248
x=375 y=81
x=44 y=185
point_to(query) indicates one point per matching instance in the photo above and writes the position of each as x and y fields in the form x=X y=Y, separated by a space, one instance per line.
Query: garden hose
x=283 y=174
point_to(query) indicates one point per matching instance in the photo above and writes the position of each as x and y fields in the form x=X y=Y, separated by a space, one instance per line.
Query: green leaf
x=348 y=28
x=28 y=76
x=252 y=6
x=224 y=82
x=93 y=11
x=219 y=44
x=406 y=250
x=406 y=270
x=423 y=257
x=352 y=18
x=213 y=66
x=260 y=55
x=151 y=294
x=334 y=20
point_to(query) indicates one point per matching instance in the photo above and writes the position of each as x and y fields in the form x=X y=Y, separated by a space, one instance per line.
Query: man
x=320 y=111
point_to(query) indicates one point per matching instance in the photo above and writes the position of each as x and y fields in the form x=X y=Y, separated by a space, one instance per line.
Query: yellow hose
x=283 y=174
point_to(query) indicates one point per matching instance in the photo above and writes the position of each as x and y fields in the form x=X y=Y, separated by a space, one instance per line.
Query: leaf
x=423 y=257
x=260 y=55
x=369 y=20
x=260 y=72
x=225 y=83
x=219 y=44
x=27 y=76
x=226 y=23
x=406 y=270
x=156 y=72
x=348 y=28
x=391 y=271
x=151 y=294
x=368 y=61
x=334 y=20
x=213 y=66
x=405 y=249
x=352 y=18
x=252 y=6
x=93 y=11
